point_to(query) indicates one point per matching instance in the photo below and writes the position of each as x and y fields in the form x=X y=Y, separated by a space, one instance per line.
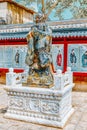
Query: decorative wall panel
x=58 y=56
x=77 y=57
x=13 y=56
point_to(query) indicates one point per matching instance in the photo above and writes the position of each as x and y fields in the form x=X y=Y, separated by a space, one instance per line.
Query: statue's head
x=39 y=18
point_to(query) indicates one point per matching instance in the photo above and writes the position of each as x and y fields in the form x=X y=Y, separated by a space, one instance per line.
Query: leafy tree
x=78 y=8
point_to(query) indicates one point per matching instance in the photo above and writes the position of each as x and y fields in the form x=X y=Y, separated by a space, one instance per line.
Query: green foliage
x=78 y=8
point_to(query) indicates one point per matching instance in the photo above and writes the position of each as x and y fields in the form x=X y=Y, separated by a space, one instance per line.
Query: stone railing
x=13 y=78
x=61 y=80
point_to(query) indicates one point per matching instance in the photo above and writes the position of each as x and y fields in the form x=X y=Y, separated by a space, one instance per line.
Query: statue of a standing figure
x=38 y=56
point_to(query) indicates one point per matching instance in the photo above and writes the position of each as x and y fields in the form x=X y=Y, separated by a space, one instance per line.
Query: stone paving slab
x=78 y=120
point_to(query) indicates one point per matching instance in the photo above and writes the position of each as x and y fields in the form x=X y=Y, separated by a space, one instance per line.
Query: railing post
x=11 y=77
x=59 y=80
x=70 y=74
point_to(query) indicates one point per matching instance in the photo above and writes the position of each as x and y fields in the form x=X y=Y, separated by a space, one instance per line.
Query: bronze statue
x=38 y=56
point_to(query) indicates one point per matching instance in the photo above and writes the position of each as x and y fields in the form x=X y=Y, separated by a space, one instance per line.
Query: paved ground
x=78 y=121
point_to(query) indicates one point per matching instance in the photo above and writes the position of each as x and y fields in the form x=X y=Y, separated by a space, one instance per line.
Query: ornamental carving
x=16 y=102
x=44 y=106
x=49 y=107
x=35 y=105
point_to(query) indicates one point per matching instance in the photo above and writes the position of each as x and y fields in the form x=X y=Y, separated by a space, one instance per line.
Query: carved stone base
x=39 y=105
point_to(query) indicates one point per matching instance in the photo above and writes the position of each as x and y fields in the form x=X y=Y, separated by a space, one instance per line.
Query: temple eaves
x=59 y=29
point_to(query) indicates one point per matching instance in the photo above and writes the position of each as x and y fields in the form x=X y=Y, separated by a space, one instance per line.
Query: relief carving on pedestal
x=44 y=106
x=17 y=102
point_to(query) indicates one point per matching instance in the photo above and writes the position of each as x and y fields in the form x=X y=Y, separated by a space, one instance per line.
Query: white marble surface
x=39 y=105
x=45 y=106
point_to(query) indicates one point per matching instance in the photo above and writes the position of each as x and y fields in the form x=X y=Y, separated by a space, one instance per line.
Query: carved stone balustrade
x=47 y=106
x=13 y=78
x=61 y=80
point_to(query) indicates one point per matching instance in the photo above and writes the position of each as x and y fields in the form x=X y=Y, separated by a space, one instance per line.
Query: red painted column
x=65 y=55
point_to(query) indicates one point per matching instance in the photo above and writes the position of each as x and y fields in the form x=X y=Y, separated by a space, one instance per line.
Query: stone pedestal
x=40 y=105
x=47 y=106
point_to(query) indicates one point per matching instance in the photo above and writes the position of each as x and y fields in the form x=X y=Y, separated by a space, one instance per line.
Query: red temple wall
x=78 y=76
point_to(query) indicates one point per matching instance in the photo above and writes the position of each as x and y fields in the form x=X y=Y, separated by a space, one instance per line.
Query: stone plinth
x=40 y=105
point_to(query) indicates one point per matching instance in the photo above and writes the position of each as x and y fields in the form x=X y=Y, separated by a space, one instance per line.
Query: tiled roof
x=16 y=35
x=20 y=31
x=58 y=33
x=70 y=32
x=14 y=31
x=79 y=23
